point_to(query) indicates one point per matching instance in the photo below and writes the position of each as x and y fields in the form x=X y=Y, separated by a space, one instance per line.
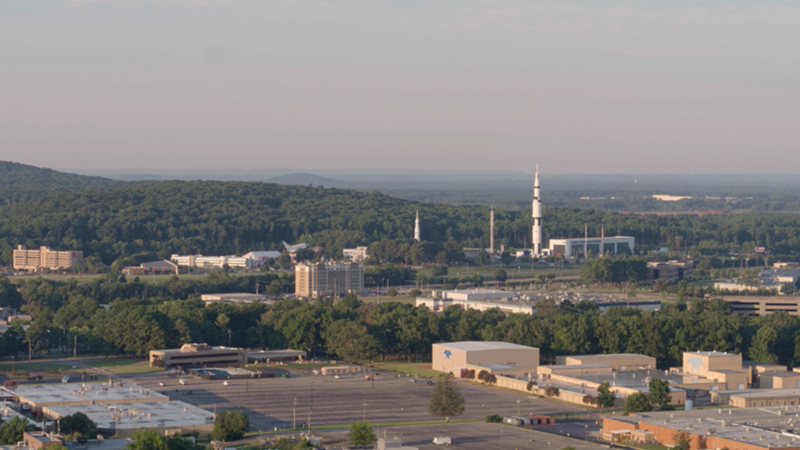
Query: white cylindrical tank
x=689 y=405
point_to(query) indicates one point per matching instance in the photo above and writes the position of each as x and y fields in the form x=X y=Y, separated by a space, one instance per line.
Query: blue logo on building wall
x=447 y=354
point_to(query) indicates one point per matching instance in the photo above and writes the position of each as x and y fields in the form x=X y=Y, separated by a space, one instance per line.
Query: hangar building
x=494 y=357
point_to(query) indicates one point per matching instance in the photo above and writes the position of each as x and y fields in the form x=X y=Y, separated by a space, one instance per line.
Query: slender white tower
x=537 y=217
x=416 y=228
x=491 y=231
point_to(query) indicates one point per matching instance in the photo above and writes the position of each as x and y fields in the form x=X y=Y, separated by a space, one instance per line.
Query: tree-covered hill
x=214 y=218
x=21 y=182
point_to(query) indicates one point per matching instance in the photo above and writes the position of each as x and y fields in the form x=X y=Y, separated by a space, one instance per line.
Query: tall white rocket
x=537 y=217
x=416 y=228
x=491 y=231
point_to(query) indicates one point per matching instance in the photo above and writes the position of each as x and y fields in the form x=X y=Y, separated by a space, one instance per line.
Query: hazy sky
x=577 y=86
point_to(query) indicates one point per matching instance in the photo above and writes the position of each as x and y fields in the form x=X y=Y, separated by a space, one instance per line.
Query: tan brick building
x=45 y=258
x=328 y=279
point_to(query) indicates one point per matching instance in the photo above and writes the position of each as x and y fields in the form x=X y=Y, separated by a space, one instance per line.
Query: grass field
x=122 y=366
x=421 y=370
x=33 y=367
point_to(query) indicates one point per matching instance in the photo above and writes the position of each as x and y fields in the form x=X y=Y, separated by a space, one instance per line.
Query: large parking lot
x=270 y=401
x=468 y=436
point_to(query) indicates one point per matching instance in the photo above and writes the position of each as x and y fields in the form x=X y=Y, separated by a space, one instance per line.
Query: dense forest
x=144 y=317
x=156 y=219
x=20 y=182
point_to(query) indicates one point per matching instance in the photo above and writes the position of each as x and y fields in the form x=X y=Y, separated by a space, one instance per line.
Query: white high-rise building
x=417 y=236
x=537 y=217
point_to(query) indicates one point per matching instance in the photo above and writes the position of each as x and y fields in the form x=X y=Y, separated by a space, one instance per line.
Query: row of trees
x=146 y=317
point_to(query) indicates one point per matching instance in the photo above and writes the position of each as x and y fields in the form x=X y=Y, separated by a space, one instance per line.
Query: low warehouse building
x=73 y=394
x=617 y=361
x=756 y=398
x=495 y=357
x=123 y=419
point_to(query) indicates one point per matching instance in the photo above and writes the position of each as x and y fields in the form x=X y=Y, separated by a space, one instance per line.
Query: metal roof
x=479 y=346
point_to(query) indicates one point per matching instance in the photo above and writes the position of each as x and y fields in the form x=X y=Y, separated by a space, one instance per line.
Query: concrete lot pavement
x=270 y=402
x=477 y=437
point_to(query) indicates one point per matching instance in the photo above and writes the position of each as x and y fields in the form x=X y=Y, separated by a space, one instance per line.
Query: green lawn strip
x=34 y=367
x=420 y=370
x=132 y=369
x=112 y=362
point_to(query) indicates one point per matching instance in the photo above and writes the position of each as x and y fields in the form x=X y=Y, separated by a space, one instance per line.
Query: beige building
x=328 y=279
x=198 y=355
x=494 y=357
x=357 y=254
x=45 y=258
x=616 y=361
x=721 y=367
x=779 y=380
x=753 y=398
x=751 y=305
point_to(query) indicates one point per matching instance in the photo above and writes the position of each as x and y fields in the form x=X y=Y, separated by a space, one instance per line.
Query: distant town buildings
x=44 y=258
x=358 y=254
x=252 y=260
x=329 y=278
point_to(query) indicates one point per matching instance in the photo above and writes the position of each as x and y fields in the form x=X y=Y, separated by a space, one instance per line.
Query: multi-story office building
x=45 y=258
x=328 y=279
x=671 y=271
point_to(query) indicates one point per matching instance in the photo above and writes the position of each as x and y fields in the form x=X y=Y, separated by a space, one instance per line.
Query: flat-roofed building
x=330 y=278
x=740 y=429
x=122 y=419
x=45 y=258
x=239 y=297
x=578 y=247
x=617 y=361
x=255 y=356
x=757 y=398
x=779 y=380
x=670 y=271
x=198 y=355
x=163 y=267
x=358 y=254
x=60 y=394
x=722 y=367
x=495 y=357
x=751 y=305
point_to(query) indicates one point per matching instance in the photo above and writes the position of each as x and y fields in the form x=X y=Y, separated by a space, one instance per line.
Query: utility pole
x=29 y=350
x=294 y=414
x=75 y=348
x=364 y=418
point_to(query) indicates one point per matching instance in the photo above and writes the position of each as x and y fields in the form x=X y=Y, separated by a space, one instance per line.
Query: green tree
x=446 y=399
x=638 y=402
x=605 y=398
x=361 y=434
x=683 y=441
x=506 y=258
x=500 y=275
x=761 y=349
x=144 y=439
x=483 y=258
x=230 y=426
x=11 y=432
x=78 y=423
x=659 y=392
